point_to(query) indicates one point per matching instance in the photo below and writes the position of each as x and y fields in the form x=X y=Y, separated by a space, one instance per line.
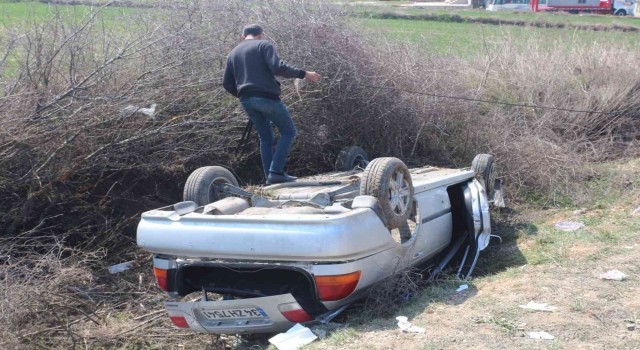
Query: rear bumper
x=273 y=322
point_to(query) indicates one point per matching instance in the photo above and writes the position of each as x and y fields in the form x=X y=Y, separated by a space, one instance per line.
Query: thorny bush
x=78 y=163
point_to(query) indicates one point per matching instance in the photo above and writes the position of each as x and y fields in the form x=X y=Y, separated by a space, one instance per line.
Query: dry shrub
x=54 y=297
x=76 y=169
x=76 y=163
x=547 y=150
x=386 y=296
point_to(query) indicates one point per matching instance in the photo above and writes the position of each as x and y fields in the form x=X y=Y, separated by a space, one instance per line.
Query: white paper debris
x=613 y=275
x=636 y=212
x=539 y=306
x=569 y=226
x=405 y=325
x=294 y=338
x=540 y=335
x=462 y=287
x=113 y=269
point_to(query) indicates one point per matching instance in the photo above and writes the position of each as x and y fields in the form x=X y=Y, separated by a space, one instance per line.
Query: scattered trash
x=613 y=275
x=569 y=226
x=117 y=268
x=131 y=110
x=405 y=325
x=294 y=338
x=462 y=287
x=630 y=324
x=636 y=212
x=540 y=335
x=539 y=307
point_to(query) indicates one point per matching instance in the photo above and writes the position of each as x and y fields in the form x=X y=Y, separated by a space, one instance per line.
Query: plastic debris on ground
x=569 y=226
x=613 y=275
x=462 y=287
x=540 y=335
x=296 y=337
x=405 y=325
x=117 y=268
x=539 y=307
x=636 y=212
x=630 y=324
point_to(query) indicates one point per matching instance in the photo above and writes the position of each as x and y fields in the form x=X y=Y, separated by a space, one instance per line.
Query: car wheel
x=621 y=13
x=201 y=184
x=388 y=180
x=351 y=158
x=484 y=168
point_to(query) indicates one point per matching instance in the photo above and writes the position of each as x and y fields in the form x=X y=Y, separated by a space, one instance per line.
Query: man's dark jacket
x=251 y=70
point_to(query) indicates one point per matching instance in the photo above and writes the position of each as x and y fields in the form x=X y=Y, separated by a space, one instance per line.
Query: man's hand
x=313 y=77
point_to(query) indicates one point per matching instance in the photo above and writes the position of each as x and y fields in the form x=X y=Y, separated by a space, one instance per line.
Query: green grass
x=466 y=39
x=20 y=13
x=559 y=17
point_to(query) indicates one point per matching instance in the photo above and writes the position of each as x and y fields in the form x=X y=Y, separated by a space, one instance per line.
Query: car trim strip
x=436 y=215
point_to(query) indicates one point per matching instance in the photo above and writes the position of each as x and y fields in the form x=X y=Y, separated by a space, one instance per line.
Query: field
x=12 y=13
x=506 y=15
x=78 y=173
x=465 y=39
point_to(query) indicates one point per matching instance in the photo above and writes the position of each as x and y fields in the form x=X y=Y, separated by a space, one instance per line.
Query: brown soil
x=592 y=313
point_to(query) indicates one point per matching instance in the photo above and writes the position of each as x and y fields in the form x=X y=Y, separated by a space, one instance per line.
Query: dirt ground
x=533 y=265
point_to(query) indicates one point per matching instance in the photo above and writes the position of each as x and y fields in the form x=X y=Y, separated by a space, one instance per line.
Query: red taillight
x=179 y=321
x=161 y=278
x=294 y=313
x=336 y=287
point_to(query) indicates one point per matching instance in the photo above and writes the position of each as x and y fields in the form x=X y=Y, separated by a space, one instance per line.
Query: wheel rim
x=399 y=192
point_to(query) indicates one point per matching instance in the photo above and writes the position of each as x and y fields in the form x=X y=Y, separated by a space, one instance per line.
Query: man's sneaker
x=277 y=178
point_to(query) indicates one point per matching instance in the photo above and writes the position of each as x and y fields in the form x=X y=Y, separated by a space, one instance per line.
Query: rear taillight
x=294 y=313
x=179 y=321
x=336 y=287
x=161 y=278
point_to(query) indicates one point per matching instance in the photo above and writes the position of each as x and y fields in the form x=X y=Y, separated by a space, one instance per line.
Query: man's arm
x=278 y=66
x=229 y=81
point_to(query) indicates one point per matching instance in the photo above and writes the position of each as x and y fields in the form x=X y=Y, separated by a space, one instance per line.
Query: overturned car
x=259 y=261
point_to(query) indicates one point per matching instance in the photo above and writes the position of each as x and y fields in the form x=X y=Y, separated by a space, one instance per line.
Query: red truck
x=574 y=6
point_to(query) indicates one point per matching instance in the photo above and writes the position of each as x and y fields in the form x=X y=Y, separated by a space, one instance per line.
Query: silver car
x=261 y=260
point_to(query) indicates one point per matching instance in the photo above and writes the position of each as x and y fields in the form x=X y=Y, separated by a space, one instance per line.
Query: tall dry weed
x=549 y=150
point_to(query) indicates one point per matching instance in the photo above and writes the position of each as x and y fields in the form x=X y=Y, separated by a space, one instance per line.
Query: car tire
x=389 y=181
x=351 y=158
x=621 y=13
x=483 y=166
x=200 y=186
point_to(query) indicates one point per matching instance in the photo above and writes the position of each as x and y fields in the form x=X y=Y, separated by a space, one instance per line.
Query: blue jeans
x=263 y=112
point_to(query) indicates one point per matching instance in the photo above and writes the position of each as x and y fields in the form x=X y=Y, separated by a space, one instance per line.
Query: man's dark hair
x=252 y=29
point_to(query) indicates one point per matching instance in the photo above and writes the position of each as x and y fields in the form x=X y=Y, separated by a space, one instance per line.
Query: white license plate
x=241 y=313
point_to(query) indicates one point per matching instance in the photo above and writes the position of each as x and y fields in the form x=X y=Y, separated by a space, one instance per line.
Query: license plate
x=241 y=313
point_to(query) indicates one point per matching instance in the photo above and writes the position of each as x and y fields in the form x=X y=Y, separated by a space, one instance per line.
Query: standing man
x=250 y=75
